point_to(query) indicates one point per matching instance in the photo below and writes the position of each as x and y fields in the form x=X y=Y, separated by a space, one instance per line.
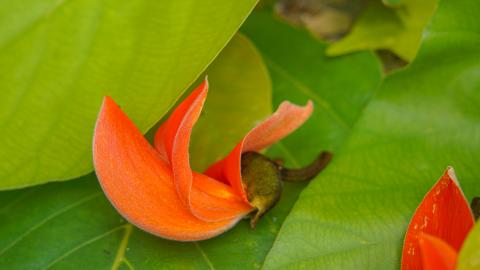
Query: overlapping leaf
x=397 y=27
x=59 y=58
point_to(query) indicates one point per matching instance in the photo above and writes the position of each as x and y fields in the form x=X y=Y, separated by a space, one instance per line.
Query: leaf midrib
x=86 y=243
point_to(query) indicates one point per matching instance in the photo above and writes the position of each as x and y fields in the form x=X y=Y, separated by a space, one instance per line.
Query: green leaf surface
x=469 y=257
x=397 y=28
x=424 y=118
x=63 y=225
x=59 y=58
x=240 y=94
x=392 y=2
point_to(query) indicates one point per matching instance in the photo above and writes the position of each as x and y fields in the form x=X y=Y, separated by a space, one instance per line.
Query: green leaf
x=300 y=72
x=392 y=2
x=63 y=225
x=398 y=29
x=468 y=258
x=59 y=58
x=424 y=118
x=240 y=95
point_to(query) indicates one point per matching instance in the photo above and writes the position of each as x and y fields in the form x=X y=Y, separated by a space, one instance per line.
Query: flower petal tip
x=443 y=213
x=108 y=107
x=453 y=176
x=309 y=104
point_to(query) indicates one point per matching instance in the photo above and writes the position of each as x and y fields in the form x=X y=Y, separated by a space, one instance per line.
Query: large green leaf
x=59 y=58
x=469 y=257
x=424 y=118
x=398 y=28
x=239 y=96
x=64 y=225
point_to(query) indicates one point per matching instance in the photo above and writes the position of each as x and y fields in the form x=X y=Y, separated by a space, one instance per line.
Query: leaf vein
x=204 y=255
x=120 y=257
x=83 y=244
x=308 y=92
x=48 y=218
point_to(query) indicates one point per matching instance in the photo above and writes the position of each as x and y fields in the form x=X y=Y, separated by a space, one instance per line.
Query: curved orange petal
x=172 y=142
x=444 y=213
x=140 y=184
x=181 y=120
x=173 y=138
x=285 y=120
x=436 y=253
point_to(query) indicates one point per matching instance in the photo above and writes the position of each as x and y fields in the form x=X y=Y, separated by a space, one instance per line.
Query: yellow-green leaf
x=59 y=58
x=469 y=257
x=397 y=28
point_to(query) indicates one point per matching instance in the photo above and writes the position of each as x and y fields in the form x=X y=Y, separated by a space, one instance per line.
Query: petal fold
x=444 y=213
x=172 y=141
x=140 y=184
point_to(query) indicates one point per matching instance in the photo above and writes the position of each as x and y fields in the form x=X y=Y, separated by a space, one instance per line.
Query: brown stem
x=308 y=172
x=475 y=205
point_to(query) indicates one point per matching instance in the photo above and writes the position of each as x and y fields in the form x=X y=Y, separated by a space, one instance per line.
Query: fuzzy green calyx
x=263 y=179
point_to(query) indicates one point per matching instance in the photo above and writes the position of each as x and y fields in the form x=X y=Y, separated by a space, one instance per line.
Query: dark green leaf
x=424 y=118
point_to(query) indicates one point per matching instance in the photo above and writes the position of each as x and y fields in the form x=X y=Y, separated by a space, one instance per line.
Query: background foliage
x=393 y=25
x=392 y=136
x=423 y=119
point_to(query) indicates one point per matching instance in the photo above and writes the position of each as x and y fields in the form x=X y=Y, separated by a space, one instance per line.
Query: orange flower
x=438 y=227
x=155 y=188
